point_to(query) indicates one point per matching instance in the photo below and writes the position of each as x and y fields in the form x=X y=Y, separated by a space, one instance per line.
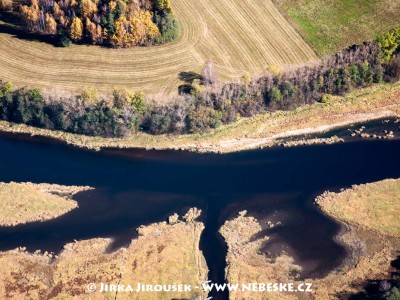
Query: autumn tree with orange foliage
x=94 y=32
x=6 y=5
x=51 y=24
x=118 y=23
x=31 y=15
x=135 y=30
x=76 y=29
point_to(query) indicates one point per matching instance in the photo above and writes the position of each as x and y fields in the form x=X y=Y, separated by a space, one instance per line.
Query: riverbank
x=245 y=264
x=264 y=130
x=371 y=234
x=28 y=202
x=164 y=253
x=373 y=206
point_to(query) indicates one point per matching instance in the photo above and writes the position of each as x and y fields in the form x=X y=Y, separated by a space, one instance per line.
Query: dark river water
x=135 y=187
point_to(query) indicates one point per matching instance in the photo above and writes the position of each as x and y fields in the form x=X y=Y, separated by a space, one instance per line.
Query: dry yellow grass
x=370 y=212
x=249 y=133
x=373 y=263
x=162 y=254
x=373 y=206
x=238 y=35
x=27 y=202
x=246 y=265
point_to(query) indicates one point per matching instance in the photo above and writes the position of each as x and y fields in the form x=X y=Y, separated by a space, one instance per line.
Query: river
x=136 y=187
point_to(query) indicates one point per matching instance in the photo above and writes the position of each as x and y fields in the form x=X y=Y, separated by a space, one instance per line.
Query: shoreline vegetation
x=164 y=253
x=263 y=130
x=372 y=206
x=245 y=264
x=203 y=104
x=29 y=202
x=371 y=231
x=369 y=216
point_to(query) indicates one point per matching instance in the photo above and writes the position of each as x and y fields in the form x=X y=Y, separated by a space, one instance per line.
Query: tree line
x=117 y=23
x=204 y=104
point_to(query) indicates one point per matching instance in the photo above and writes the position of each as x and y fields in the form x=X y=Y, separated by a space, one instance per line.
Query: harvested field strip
x=239 y=36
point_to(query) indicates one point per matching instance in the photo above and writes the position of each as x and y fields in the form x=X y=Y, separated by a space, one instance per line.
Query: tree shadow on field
x=184 y=89
x=11 y=24
x=188 y=78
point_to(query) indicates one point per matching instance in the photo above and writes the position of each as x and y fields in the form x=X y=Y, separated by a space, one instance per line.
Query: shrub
x=64 y=40
x=6 y=5
x=392 y=72
x=326 y=98
x=159 y=123
x=389 y=42
x=122 y=97
x=168 y=26
x=275 y=95
x=5 y=88
x=203 y=118
x=90 y=96
x=393 y=294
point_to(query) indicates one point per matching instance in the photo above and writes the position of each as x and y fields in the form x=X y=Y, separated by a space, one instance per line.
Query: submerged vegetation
x=204 y=104
x=370 y=211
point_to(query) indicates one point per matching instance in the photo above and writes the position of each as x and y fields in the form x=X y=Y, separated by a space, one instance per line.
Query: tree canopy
x=117 y=23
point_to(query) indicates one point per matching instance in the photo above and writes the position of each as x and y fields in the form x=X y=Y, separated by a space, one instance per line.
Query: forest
x=204 y=104
x=120 y=23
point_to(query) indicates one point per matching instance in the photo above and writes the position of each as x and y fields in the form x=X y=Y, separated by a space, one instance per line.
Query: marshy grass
x=27 y=202
x=373 y=206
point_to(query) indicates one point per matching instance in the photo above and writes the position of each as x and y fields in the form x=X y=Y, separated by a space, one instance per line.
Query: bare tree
x=208 y=76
